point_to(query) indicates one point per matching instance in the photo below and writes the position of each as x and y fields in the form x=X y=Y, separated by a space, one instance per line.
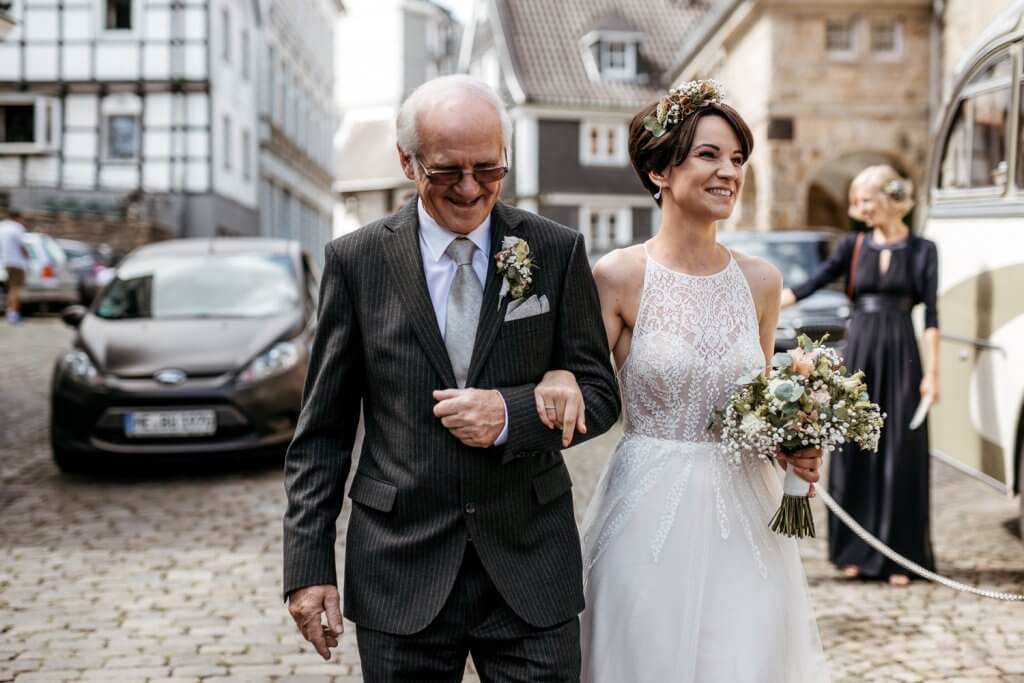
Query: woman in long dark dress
x=886 y=492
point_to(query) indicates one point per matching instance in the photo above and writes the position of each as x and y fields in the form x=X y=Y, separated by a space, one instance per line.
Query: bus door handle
x=977 y=345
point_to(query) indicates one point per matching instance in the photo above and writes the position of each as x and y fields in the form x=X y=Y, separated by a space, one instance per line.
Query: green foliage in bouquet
x=807 y=400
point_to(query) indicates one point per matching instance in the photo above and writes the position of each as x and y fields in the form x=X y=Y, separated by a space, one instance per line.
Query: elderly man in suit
x=438 y=322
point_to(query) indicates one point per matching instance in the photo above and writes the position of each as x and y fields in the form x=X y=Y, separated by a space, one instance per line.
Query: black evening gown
x=886 y=492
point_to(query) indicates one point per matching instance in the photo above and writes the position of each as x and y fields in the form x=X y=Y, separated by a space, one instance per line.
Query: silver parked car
x=49 y=281
x=797 y=254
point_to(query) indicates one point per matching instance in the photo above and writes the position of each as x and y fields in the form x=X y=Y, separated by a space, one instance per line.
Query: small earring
x=657 y=195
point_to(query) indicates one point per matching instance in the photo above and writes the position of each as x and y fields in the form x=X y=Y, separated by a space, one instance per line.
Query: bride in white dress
x=684 y=580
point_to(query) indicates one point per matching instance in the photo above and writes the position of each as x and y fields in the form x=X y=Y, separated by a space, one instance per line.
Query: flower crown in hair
x=681 y=102
x=896 y=189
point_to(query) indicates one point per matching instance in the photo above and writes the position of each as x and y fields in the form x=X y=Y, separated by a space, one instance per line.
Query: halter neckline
x=724 y=270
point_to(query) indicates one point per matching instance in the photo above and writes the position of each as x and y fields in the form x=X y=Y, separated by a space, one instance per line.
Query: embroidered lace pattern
x=693 y=337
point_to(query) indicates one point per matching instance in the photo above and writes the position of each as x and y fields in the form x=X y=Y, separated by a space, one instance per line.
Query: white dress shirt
x=439 y=269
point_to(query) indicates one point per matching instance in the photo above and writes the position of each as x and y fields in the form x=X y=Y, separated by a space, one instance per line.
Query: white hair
x=442 y=88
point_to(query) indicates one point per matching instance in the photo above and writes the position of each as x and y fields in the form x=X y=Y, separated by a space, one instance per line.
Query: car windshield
x=201 y=286
x=796 y=260
x=75 y=251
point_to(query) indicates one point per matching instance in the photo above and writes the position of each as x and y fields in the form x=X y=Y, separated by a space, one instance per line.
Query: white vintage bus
x=976 y=217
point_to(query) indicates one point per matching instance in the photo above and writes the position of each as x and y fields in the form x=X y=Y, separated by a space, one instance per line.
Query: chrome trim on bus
x=980 y=344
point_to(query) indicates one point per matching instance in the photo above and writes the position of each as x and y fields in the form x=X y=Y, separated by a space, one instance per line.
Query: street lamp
x=6 y=20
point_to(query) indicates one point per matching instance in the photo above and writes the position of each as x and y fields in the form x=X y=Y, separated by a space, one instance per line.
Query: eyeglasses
x=453 y=176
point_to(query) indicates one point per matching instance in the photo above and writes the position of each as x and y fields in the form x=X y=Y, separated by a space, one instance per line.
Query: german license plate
x=170 y=423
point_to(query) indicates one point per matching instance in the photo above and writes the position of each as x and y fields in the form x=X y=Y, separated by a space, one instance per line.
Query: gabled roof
x=365 y=154
x=542 y=46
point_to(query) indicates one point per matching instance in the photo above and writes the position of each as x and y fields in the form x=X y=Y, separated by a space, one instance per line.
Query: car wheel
x=67 y=461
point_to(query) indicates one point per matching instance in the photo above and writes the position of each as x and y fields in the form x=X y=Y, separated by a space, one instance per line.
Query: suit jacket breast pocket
x=535 y=325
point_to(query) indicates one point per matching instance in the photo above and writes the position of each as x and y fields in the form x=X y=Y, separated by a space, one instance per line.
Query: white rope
x=904 y=562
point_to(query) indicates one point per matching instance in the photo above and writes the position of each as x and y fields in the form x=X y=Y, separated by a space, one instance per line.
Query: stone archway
x=828 y=191
x=744 y=215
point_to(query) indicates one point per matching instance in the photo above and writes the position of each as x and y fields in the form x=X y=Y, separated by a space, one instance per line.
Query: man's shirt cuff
x=503 y=437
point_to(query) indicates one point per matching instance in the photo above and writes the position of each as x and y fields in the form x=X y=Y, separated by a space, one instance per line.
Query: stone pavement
x=176 y=577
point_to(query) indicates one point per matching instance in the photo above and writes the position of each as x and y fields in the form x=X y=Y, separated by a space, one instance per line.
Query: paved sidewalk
x=176 y=578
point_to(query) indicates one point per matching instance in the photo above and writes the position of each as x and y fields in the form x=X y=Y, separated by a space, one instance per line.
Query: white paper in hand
x=921 y=412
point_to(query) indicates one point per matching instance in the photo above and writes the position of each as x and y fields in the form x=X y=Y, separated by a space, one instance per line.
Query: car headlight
x=843 y=311
x=80 y=368
x=281 y=357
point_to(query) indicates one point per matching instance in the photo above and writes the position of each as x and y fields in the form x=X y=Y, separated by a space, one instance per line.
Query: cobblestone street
x=176 y=578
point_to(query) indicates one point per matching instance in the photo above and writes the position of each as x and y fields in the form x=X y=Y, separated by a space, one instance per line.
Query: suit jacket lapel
x=405 y=261
x=492 y=311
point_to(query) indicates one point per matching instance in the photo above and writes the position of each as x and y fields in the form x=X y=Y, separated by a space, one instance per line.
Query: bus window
x=997 y=70
x=974 y=154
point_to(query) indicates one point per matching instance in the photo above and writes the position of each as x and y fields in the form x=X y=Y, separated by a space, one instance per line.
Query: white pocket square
x=527 y=308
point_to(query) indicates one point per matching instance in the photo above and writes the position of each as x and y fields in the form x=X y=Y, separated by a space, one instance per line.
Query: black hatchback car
x=196 y=347
x=797 y=254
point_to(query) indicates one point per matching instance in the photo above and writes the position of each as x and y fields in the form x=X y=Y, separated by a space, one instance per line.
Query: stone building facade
x=828 y=88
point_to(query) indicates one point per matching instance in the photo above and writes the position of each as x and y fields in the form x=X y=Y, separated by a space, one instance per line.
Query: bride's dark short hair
x=649 y=153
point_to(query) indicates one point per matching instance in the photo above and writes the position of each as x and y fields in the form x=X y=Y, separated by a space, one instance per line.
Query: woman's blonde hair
x=895 y=192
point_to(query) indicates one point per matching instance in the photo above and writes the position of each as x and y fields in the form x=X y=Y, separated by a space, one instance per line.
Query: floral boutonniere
x=517 y=265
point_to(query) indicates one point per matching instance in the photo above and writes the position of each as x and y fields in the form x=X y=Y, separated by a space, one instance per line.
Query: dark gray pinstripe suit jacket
x=417 y=490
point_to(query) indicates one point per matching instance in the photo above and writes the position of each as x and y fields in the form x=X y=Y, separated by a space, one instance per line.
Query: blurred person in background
x=888 y=271
x=14 y=258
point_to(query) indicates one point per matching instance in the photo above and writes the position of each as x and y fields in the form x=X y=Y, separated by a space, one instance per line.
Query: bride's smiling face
x=708 y=183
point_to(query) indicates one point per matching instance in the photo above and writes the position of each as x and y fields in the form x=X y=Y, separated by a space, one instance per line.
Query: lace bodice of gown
x=694 y=336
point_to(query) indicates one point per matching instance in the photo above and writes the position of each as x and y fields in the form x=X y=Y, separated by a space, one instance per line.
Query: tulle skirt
x=685 y=581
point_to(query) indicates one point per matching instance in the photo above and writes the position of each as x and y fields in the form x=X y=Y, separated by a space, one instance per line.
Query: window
x=617 y=59
x=227 y=142
x=246 y=156
x=245 y=55
x=603 y=144
x=17 y=123
x=28 y=125
x=118 y=16
x=122 y=137
x=841 y=38
x=974 y=154
x=225 y=22
x=886 y=38
x=604 y=229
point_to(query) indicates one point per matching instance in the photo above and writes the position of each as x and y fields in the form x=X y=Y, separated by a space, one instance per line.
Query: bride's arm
x=611 y=276
x=559 y=400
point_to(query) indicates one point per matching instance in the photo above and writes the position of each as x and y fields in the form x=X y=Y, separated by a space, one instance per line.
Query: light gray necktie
x=464 y=300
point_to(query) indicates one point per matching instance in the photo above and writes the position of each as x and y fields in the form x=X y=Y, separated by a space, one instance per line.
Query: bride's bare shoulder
x=762 y=276
x=621 y=267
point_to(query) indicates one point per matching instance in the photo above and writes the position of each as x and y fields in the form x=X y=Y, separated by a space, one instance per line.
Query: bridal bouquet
x=806 y=401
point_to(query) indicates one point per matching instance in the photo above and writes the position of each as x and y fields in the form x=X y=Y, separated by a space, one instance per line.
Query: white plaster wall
x=233 y=97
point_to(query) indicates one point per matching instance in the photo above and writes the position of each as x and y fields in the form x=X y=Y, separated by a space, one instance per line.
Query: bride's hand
x=560 y=404
x=806 y=462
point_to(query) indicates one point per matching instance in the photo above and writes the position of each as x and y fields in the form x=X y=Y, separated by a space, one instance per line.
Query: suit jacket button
x=470 y=508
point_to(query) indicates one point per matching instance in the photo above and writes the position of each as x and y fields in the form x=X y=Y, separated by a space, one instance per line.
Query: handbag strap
x=853 y=265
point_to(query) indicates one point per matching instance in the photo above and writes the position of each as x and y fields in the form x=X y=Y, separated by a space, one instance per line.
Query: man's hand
x=473 y=416
x=560 y=404
x=805 y=463
x=307 y=606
